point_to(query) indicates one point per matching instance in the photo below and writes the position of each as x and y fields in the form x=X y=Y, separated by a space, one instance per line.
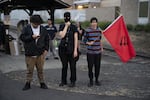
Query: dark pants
x=65 y=59
x=94 y=60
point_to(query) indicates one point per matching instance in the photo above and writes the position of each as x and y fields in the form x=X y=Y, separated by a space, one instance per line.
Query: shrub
x=139 y=27
x=85 y=24
x=59 y=21
x=104 y=25
x=147 y=28
x=129 y=27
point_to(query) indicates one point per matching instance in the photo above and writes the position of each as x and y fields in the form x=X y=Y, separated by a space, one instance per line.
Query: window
x=143 y=9
x=143 y=17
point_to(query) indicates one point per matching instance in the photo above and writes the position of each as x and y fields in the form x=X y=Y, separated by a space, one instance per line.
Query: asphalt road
x=120 y=81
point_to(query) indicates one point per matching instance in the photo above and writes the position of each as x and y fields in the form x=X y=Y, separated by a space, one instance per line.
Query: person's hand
x=35 y=36
x=45 y=53
x=67 y=23
x=80 y=31
x=90 y=43
x=78 y=28
x=102 y=49
x=75 y=54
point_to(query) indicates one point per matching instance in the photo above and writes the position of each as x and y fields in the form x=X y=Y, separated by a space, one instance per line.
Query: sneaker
x=90 y=84
x=72 y=84
x=62 y=84
x=46 y=58
x=56 y=58
x=97 y=83
x=43 y=86
x=27 y=86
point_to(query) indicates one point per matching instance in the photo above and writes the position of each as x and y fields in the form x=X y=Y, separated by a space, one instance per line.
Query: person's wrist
x=86 y=42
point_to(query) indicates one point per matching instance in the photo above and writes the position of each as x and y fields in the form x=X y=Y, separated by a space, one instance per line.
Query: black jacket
x=70 y=42
x=33 y=48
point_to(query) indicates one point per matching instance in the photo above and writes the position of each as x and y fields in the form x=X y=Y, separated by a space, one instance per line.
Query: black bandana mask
x=67 y=17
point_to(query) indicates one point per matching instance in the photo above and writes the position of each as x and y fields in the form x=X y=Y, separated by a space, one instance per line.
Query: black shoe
x=90 y=84
x=97 y=83
x=43 y=86
x=72 y=84
x=27 y=86
x=46 y=58
x=62 y=84
x=56 y=58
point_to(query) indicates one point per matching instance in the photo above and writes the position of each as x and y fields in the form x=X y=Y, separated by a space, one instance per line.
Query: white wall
x=110 y=3
x=103 y=13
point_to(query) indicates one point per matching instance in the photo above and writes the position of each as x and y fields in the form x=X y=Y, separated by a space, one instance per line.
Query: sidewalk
x=130 y=81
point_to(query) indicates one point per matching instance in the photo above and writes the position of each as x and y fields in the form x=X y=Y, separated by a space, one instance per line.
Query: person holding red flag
x=118 y=37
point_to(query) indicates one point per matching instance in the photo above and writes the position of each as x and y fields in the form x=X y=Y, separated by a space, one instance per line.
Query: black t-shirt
x=68 y=41
x=51 y=31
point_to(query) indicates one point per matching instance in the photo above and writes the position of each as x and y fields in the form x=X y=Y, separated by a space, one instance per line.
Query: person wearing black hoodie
x=36 y=43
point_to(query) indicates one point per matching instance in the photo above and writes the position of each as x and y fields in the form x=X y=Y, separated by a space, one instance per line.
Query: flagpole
x=113 y=22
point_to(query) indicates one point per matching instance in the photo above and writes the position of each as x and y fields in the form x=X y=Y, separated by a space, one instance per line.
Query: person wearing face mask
x=92 y=38
x=36 y=43
x=68 y=50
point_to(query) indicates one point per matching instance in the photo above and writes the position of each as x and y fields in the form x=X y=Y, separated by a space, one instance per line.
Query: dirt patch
x=141 y=41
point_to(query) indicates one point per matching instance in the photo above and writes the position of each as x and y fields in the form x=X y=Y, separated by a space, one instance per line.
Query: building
x=134 y=11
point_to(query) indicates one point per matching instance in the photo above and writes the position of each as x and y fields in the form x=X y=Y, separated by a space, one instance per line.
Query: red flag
x=118 y=37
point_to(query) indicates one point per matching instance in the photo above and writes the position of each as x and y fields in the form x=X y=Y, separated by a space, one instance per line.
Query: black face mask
x=67 y=19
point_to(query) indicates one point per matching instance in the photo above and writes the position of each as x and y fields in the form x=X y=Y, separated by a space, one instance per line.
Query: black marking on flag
x=123 y=41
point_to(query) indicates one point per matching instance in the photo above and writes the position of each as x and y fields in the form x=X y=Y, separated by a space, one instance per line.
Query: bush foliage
x=103 y=25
